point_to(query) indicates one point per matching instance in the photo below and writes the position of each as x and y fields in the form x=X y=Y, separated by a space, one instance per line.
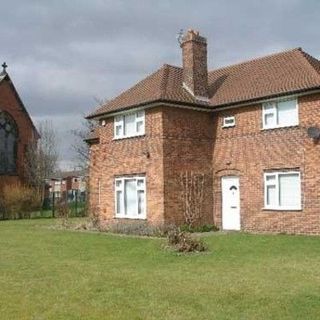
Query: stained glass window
x=8 y=143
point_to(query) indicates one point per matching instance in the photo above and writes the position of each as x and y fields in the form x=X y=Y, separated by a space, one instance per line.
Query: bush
x=139 y=229
x=18 y=201
x=63 y=212
x=183 y=242
x=203 y=228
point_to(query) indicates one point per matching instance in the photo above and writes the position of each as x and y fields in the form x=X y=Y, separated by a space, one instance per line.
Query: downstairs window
x=282 y=190
x=130 y=200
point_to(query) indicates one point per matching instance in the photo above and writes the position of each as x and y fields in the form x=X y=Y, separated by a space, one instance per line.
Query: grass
x=54 y=274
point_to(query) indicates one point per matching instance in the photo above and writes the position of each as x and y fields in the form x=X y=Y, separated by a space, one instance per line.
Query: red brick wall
x=130 y=156
x=247 y=151
x=187 y=148
x=10 y=104
x=177 y=141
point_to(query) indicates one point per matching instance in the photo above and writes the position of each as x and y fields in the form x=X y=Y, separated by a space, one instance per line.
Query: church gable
x=16 y=130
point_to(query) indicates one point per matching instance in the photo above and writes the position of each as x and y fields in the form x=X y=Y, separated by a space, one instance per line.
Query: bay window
x=282 y=113
x=130 y=200
x=282 y=190
x=129 y=125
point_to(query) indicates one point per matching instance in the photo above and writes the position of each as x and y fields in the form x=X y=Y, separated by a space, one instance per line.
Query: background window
x=282 y=190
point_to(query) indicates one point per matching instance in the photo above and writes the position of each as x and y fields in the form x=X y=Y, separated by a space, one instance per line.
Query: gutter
x=201 y=107
x=150 y=104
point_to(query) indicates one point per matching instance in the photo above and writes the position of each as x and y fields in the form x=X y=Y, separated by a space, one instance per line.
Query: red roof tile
x=276 y=74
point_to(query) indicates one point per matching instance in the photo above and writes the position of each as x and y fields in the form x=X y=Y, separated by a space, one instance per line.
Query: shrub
x=202 y=228
x=63 y=211
x=183 y=242
x=18 y=201
x=95 y=218
x=139 y=229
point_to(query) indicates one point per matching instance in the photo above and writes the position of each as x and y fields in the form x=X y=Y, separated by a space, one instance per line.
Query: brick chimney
x=195 y=66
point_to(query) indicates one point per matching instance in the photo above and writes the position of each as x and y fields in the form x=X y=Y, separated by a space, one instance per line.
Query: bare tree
x=192 y=185
x=80 y=147
x=41 y=160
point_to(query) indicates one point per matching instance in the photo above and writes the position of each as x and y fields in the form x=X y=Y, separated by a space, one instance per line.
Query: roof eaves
x=151 y=102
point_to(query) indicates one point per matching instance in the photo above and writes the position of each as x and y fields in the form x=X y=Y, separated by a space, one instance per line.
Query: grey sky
x=62 y=54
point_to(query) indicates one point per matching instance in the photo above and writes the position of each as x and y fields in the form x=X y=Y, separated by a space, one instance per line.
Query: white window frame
x=119 y=122
x=228 y=125
x=123 y=213
x=275 y=183
x=272 y=108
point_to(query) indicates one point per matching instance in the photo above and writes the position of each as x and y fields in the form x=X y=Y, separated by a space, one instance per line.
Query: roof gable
x=4 y=76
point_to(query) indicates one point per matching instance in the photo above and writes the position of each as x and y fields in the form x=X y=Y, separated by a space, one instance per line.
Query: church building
x=16 y=131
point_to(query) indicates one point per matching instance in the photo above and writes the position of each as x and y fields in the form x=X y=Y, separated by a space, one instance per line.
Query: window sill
x=280 y=127
x=129 y=137
x=130 y=218
x=226 y=127
x=282 y=209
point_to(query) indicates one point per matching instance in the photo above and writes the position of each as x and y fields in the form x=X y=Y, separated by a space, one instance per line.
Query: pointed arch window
x=8 y=143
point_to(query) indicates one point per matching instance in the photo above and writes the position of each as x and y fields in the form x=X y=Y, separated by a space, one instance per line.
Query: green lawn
x=51 y=274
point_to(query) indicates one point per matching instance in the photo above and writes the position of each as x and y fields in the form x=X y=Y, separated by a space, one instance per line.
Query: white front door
x=230 y=203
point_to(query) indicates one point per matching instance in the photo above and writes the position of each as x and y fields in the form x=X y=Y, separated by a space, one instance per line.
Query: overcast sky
x=64 y=54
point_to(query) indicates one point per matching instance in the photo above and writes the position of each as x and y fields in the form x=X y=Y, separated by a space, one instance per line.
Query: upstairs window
x=8 y=144
x=229 y=122
x=129 y=125
x=130 y=199
x=282 y=190
x=277 y=114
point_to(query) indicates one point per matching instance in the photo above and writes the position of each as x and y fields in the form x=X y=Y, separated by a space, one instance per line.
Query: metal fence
x=74 y=199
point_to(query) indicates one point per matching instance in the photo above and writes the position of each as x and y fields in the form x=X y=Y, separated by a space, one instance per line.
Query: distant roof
x=66 y=174
x=286 y=72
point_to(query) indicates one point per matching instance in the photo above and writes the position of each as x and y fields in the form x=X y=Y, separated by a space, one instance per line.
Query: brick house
x=243 y=127
x=68 y=185
x=16 y=131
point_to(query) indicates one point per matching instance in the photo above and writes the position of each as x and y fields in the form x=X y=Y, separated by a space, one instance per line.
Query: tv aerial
x=180 y=36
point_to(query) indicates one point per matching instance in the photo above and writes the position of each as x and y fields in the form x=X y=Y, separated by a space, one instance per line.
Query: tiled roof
x=276 y=74
x=67 y=174
x=285 y=72
x=164 y=84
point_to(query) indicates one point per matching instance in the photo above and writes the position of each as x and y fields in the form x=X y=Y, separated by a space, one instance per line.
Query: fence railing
x=74 y=200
